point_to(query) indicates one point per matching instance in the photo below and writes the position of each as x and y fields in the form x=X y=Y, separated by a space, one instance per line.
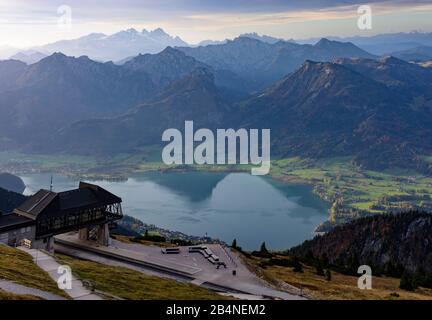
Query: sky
x=25 y=23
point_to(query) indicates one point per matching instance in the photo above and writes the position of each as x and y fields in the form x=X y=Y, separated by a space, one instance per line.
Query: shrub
x=263 y=248
x=234 y=244
x=278 y=262
x=407 y=282
x=297 y=265
x=246 y=254
x=181 y=242
x=154 y=238
x=263 y=253
x=328 y=275
x=320 y=270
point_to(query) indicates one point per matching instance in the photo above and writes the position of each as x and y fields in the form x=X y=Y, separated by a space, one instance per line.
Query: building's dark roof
x=37 y=203
x=13 y=221
x=48 y=203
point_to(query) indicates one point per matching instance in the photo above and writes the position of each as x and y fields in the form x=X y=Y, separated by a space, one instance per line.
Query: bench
x=170 y=250
x=197 y=248
x=211 y=260
x=208 y=254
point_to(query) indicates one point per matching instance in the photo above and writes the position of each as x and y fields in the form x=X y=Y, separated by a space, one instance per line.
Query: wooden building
x=89 y=209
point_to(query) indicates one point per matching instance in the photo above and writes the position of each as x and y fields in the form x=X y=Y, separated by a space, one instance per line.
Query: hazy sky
x=25 y=23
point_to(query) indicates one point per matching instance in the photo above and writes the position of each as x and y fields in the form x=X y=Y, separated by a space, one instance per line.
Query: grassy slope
x=10 y=296
x=130 y=284
x=18 y=266
x=341 y=287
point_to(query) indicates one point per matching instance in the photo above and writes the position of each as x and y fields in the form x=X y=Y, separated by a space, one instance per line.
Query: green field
x=18 y=266
x=354 y=191
x=45 y=162
x=11 y=296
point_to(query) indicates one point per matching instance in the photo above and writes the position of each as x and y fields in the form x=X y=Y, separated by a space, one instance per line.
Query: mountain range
x=323 y=109
x=384 y=44
x=7 y=51
x=28 y=56
x=322 y=100
x=332 y=109
x=123 y=45
x=43 y=97
x=102 y=47
x=193 y=97
x=39 y=99
x=263 y=63
x=420 y=53
x=263 y=38
x=172 y=64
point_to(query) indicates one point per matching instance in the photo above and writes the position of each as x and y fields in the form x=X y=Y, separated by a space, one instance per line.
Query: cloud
x=301 y=15
x=193 y=20
x=98 y=9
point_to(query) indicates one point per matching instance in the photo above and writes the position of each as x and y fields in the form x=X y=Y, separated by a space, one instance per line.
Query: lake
x=249 y=208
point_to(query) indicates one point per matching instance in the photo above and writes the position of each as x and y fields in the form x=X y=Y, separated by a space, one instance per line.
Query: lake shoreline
x=120 y=173
x=287 y=208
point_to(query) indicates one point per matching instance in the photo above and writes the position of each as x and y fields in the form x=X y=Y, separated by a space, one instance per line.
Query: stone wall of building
x=15 y=237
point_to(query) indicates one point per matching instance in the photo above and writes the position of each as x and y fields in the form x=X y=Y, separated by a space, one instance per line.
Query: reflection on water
x=189 y=185
x=237 y=205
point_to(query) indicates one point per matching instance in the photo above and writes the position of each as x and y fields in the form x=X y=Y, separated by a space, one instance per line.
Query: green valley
x=355 y=192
